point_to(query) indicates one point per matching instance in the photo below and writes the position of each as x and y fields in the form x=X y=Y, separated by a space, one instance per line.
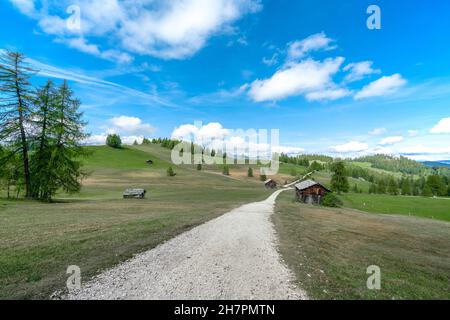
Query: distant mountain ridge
x=439 y=163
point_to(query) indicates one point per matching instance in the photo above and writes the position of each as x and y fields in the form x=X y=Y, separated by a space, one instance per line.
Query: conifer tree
x=16 y=110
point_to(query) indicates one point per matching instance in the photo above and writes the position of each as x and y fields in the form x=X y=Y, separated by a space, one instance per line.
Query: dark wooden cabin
x=134 y=194
x=270 y=184
x=310 y=192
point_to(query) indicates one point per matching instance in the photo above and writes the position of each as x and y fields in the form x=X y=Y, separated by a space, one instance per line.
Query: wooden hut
x=270 y=184
x=310 y=192
x=134 y=194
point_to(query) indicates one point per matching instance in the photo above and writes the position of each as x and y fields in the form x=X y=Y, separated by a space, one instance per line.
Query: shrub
x=263 y=177
x=226 y=170
x=331 y=200
x=170 y=172
x=199 y=167
x=250 y=173
x=114 y=141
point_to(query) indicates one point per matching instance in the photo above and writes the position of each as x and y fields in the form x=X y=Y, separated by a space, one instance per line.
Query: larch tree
x=16 y=96
x=64 y=166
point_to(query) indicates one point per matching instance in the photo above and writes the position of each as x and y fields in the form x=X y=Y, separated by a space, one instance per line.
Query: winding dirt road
x=231 y=257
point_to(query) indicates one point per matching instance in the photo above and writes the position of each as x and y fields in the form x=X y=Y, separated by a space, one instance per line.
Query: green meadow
x=97 y=229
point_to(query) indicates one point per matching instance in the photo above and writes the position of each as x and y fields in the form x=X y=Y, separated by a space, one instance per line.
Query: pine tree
x=339 y=181
x=16 y=110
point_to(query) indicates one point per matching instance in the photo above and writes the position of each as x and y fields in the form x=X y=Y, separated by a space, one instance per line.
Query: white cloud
x=214 y=136
x=168 y=29
x=378 y=131
x=110 y=89
x=384 y=86
x=413 y=133
x=25 y=6
x=208 y=132
x=295 y=79
x=319 y=41
x=328 y=94
x=390 y=140
x=130 y=125
x=443 y=126
x=359 y=70
x=352 y=146
x=82 y=45
x=129 y=128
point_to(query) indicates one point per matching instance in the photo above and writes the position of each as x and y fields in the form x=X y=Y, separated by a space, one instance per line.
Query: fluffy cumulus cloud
x=296 y=78
x=214 y=136
x=390 y=140
x=301 y=74
x=359 y=70
x=384 y=86
x=129 y=128
x=443 y=126
x=131 y=125
x=169 y=29
x=208 y=132
x=352 y=146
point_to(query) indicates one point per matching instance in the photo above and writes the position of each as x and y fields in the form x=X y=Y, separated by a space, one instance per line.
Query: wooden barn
x=134 y=194
x=310 y=192
x=270 y=184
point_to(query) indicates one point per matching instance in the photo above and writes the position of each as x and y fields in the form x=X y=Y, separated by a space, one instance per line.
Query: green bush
x=331 y=200
x=263 y=177
x=170 y=172
x=114 y=141
x=226 y=170
x=250 y=173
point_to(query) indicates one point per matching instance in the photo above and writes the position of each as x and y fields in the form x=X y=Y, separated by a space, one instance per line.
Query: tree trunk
x=26 y=167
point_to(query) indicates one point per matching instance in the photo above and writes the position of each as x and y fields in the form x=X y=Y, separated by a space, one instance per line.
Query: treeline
x=41 y=131
x=395 y=164
x=304 y=159
x=432 y=185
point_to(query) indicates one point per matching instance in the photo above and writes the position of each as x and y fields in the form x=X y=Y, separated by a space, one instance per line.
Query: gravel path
x=231 y=257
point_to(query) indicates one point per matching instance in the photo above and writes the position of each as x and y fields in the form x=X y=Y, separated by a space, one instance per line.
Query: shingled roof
x=306 y=184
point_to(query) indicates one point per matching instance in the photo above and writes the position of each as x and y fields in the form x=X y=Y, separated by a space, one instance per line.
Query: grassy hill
x=96 y=228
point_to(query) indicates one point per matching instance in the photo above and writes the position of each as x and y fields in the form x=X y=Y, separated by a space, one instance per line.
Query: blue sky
x=311 y=69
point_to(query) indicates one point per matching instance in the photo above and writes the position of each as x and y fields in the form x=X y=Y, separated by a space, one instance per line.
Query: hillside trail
x=231 y=257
